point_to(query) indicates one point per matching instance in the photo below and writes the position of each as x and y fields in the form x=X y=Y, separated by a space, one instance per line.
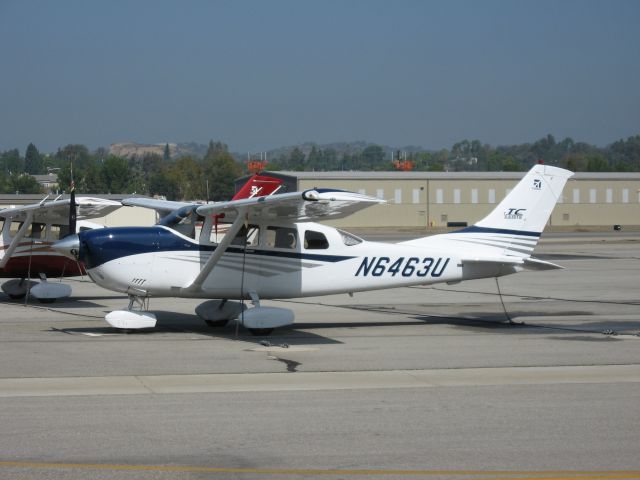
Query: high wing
x=308 y=206
x=256 y=186
x=57 y=211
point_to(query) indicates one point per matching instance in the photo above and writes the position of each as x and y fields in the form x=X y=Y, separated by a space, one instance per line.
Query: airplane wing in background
x=57 y=211
x=163 y=207
x=307 y=206
x=256 y=186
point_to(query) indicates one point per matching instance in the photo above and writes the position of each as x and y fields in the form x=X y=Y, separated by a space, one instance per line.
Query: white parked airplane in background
x=25 y=246
x=273 y=250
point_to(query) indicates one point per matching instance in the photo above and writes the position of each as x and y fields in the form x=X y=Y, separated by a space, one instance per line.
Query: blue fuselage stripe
x=100 y=246
x=503 y=231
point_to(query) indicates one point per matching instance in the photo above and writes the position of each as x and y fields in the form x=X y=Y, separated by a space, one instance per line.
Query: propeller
x=73 y=210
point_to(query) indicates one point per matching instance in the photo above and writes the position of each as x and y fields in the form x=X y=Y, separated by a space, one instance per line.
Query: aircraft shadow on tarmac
x=71 y=302
x=475 y=321
x=172 y=322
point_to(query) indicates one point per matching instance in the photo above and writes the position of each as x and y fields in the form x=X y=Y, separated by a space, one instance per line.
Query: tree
x=296 y=159
x=151 y=163
x=92 y=181
x=167 y=154
x=163 y=184
x=11 y=162
x=625 y=155
x=373 y=157
x=76 y=153
x=221 y=170
x=576 y=162
x=116 y=174
x=314 y=159
x=188 y=175
x=596 y=163
x=32 y=160
x=24 y=183
x=543 y=147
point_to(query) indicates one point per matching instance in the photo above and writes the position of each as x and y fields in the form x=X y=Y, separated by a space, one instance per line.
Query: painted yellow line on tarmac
x=497 y=474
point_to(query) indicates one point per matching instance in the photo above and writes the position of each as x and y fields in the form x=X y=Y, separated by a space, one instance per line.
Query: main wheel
x=261 y=332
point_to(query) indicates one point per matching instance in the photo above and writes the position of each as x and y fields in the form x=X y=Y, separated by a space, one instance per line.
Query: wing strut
x=16 y=240
x=219 y=251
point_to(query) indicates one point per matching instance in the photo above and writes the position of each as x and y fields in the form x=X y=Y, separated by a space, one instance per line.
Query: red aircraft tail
x=258 y=186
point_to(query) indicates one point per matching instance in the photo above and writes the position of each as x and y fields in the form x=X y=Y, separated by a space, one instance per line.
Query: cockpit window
x=281 y=237
x=348 y=239
x=249 y=236
x=315 y=240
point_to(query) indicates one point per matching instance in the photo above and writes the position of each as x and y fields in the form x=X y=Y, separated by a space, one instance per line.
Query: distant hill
x=132 y=149
x=349 y=148
x=176 y=150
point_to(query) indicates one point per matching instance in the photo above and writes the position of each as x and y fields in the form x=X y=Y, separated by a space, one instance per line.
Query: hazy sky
x=262 y=74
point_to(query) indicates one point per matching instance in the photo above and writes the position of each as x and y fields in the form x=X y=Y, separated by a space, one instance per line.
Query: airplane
x=274 y=249
x=27 y=234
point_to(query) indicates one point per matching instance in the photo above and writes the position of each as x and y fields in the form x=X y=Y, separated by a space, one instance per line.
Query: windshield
x=348 y=239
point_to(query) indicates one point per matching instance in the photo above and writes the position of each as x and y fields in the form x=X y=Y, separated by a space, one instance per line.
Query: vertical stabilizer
x=258 y=186
x=529 y=205
x=513 y=228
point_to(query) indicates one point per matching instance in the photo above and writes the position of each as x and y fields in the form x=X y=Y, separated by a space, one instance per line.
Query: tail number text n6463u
x=403 y=266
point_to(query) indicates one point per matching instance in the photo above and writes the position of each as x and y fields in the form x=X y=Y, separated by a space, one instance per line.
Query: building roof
x=389 y=175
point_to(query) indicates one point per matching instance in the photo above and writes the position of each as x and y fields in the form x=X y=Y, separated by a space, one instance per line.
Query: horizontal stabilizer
x=521 y=263
x=537 y=264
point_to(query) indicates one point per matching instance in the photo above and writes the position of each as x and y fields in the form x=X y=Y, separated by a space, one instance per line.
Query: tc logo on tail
x=514 y=213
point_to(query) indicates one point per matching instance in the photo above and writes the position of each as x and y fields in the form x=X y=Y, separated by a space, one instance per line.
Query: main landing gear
x=217 y=313
x=43 y=291
x=260 y=321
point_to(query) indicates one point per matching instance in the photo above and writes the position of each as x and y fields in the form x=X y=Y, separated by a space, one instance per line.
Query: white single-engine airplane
x=273 y=250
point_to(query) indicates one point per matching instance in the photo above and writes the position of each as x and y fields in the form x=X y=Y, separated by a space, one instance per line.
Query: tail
x=514 y=227
x=258 y=186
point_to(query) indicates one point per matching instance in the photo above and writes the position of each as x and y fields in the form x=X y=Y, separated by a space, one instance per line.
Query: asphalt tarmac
x=534 y=376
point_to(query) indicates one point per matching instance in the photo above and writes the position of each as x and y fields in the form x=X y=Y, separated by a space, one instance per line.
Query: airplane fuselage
x=319 y=260
x=34 y=256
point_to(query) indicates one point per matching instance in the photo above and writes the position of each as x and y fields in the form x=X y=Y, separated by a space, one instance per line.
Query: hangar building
x=439 y=199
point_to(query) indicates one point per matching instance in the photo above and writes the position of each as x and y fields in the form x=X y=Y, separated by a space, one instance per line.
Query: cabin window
x=54 y=232
x=37 y=230
x=281 y=237
x=15 y=226
x=249 y=236
x=348 y=239
x=218 y=231
x=315 y=240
